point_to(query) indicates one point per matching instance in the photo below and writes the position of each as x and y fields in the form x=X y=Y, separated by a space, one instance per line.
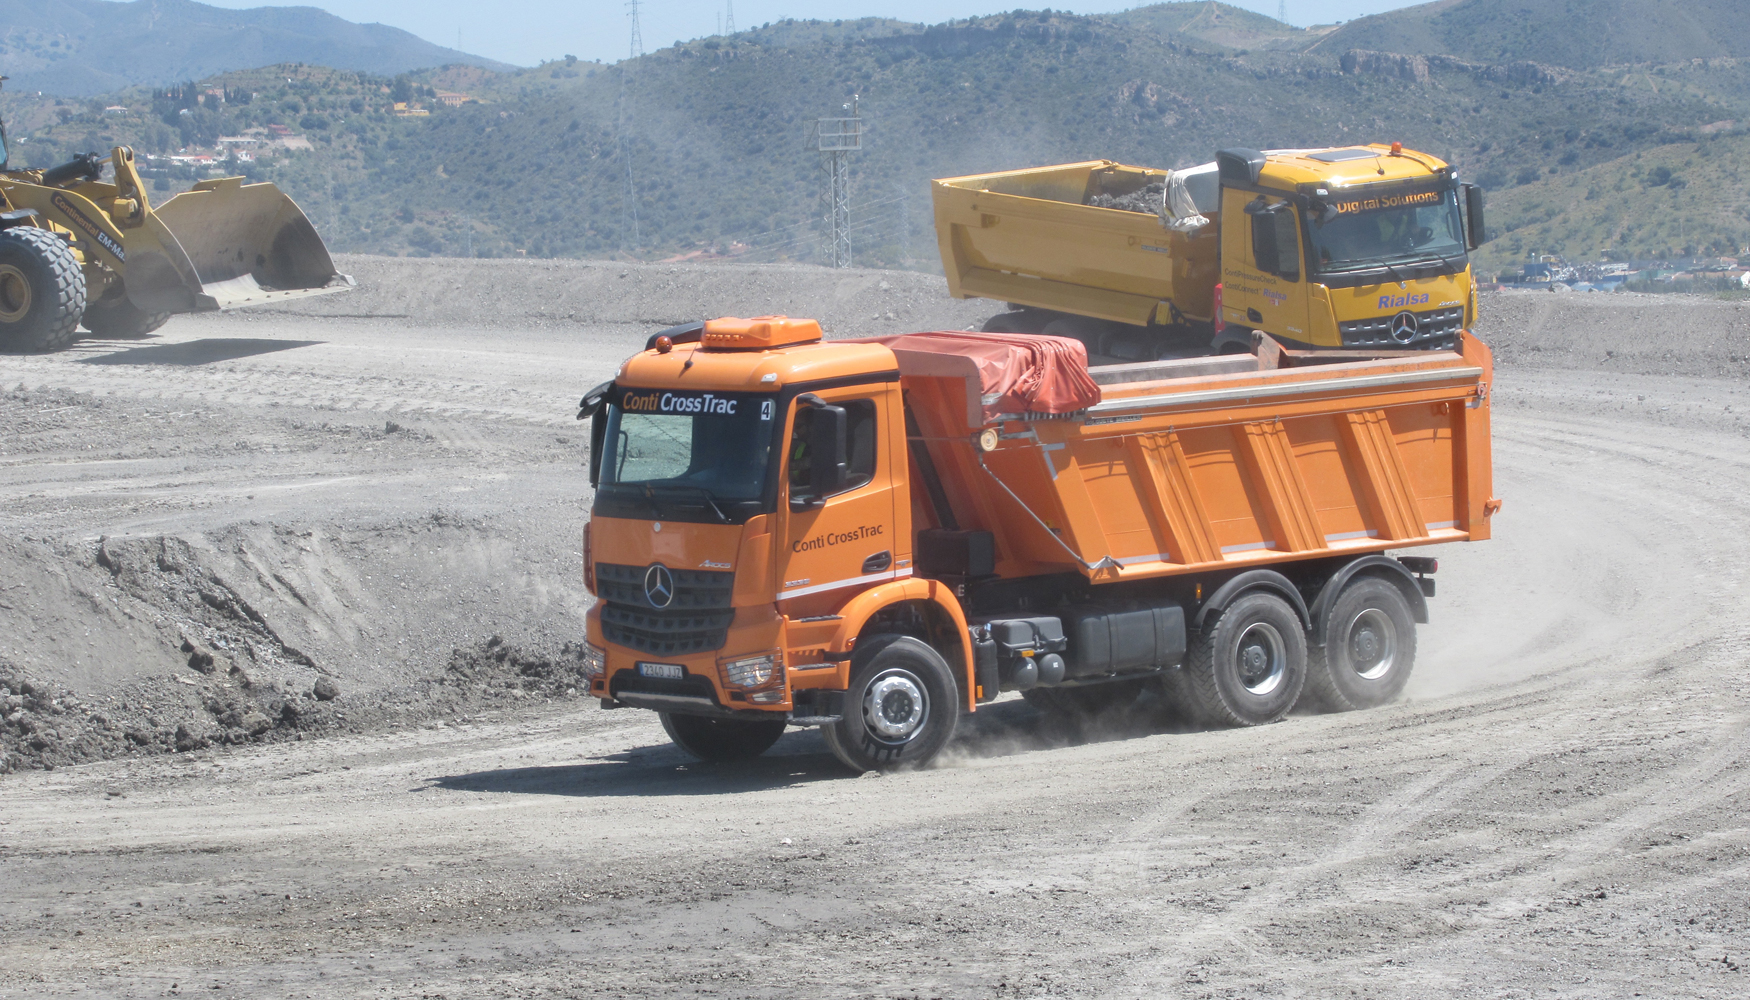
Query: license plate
x=666 y=671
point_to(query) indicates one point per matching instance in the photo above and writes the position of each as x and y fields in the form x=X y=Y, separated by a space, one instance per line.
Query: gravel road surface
x=364 y=496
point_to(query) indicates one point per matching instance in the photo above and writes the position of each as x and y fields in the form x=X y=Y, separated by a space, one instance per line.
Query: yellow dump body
x=1027 y=237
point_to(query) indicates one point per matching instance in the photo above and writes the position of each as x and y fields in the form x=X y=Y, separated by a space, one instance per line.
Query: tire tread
x=60 y=325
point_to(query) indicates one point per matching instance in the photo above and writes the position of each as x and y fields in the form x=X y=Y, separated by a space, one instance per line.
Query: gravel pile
x=1147 y=201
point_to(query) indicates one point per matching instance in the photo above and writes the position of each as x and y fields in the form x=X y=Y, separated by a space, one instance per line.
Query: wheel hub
x=1372 y=644
x=895 y=706
x=14 y=294
x=1263 y=659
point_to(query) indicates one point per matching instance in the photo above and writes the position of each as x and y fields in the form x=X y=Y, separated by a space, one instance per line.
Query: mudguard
x=857 y=612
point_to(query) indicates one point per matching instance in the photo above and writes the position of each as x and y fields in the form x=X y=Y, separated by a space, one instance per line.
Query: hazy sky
x=525 y=32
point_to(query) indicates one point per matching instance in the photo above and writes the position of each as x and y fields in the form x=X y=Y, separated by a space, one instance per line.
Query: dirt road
x=1558 y=808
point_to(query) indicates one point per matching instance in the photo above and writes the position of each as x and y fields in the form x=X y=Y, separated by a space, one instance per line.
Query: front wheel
x=901 y=709
x=721 y=739
x=1248 y=662
x=1370 y=646
x=42 y=290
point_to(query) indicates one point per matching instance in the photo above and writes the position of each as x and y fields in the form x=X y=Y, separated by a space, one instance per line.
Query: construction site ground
x=288 y=611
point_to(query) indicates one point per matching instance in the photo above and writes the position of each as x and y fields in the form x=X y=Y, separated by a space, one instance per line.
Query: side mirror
x=598 y=436
x=592 y=400
x=1473 y=216
x=826 y=448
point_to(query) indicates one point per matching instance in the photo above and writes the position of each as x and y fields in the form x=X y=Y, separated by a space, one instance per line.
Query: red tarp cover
x=1018 y=372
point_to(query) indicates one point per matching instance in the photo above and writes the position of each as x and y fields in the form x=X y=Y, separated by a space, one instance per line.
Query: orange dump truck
x=877 y=536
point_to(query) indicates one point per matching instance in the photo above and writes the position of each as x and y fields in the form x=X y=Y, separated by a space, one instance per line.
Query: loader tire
x=1248 y=662
x=721 y=739
x=901 y=709
x=42 y=290
x=121 y=318
x=1370 y=647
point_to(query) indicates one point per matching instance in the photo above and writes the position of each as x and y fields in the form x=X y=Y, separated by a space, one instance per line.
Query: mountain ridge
x=78 y=48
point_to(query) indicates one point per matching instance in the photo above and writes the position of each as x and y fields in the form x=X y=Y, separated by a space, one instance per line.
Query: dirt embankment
x=557 y=293
x=1621 y=332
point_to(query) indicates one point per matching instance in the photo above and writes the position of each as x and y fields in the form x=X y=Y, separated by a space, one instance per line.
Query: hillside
x=1215 y=23
x=77 y=48
x=1681 y=200
x=717 y=131
x=1578 y=34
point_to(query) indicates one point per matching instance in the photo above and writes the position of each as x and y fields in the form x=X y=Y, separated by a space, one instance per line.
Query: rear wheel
x=42 y=290
x=721 y=739
x=1248 y=663
x=1016 y=321
x=1370 y=646
x=118 y=317
x=901 y=709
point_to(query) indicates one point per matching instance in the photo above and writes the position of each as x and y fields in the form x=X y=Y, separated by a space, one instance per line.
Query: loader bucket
x=247 y=244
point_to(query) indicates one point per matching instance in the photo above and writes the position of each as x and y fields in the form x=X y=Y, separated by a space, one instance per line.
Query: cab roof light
x=761 y=333
x=1397 y=149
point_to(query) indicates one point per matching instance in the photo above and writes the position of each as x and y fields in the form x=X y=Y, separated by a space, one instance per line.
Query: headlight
x=753 y=671
x=595 y=660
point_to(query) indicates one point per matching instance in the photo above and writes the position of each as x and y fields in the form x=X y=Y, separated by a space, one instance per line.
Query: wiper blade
x=709 y=497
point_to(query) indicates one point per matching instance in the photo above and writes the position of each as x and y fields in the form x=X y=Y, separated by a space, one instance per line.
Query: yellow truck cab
x=1350 y=247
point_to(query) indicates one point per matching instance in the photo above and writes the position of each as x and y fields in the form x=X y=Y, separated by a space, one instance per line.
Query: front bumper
x=703 y=687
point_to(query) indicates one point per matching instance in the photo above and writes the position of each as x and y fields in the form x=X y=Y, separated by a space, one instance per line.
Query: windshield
x=1397 y=227
x=685 y=456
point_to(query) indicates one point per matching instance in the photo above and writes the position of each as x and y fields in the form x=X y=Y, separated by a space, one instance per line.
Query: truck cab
x=1357 y=247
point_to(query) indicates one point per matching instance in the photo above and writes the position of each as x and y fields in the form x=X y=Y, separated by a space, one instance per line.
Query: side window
x=859 y=447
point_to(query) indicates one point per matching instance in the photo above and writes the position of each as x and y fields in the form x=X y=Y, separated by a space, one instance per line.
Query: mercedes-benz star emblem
x=1403 y=327
x=658 y=585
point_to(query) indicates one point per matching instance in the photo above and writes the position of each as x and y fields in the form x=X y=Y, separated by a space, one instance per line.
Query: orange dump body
x=1208 y=463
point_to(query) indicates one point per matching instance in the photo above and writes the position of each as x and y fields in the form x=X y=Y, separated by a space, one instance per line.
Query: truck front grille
x=666 y=633
x=693 y=589
x=1436 y=330
x=695 y=619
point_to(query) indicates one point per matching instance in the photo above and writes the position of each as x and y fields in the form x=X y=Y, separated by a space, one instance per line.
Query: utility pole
x=629 y=197
x=838 y=138
x=729 y=18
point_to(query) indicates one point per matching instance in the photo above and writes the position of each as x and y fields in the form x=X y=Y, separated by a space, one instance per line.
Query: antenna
x=837 y=139
x=1282 y=11
x=637 y=36
x=729 y=18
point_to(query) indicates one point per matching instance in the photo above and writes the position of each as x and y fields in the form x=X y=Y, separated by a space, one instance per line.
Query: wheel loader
x=79 y=250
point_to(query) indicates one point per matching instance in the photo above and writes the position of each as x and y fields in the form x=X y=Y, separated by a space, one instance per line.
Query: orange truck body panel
x=1192 y=468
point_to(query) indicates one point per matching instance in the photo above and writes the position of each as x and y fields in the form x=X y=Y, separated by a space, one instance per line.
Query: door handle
x=878 y=562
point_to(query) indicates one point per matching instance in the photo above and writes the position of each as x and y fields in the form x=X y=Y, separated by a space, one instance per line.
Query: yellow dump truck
x=1351 y=247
